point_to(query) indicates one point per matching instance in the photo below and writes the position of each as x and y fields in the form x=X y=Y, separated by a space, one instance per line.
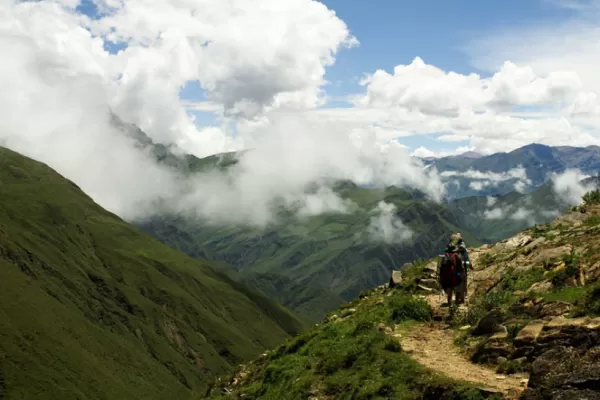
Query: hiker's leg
x=449 y=294
x=460 y=293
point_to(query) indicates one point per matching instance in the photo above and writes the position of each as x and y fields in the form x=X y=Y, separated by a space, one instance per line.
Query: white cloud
x=430 y=90
x=386 y=227
x=522 y=213
x=568 y=186
x=483 y=179
x=247 y=58
x=491 y=201
x=496 y=213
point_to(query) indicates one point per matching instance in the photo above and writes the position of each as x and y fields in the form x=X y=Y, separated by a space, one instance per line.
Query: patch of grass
x=594 y=220
x=350 y=358
x=404 y=308
x=571 y=295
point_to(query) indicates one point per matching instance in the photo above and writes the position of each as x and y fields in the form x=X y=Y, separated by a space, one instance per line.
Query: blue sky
x=393 y=32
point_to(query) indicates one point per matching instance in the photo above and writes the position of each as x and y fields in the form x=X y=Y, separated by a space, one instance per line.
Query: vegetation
x=93 y=308
x=592 y=197
x=351 y=358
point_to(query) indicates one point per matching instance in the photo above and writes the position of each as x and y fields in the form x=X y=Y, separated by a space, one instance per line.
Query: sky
x=459 y=36
x=340 y=89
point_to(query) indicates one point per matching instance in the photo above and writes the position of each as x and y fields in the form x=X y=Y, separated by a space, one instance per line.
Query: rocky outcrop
x=395 y=279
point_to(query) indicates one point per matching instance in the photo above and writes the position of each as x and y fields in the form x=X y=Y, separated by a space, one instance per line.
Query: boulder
x=555 y=309
x=430 y=283
x=395 y=279
x=529 y=333
x=500 y=333
x=540 y=287
x=565 y=373
x=488 y=324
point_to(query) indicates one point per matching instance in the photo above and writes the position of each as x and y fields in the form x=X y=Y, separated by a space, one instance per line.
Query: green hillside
x=92 y=308
x=314 y=264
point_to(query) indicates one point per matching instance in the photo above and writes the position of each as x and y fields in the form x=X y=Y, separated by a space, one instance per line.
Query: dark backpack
x=450 y=273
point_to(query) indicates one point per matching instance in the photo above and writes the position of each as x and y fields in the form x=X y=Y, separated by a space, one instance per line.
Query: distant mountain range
x=525 y=169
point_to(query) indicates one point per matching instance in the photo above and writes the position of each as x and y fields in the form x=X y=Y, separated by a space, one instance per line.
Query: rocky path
x=432 y=345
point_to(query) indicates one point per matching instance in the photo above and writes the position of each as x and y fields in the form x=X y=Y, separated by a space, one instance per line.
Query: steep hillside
x=92 y=308
x=312 y=265
x=530 y=330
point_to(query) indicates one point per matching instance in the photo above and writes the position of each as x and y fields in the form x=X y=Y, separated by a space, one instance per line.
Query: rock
x=395 y=279
x=348 y=311
x=424 y=288
x=519 y=240
x=491 y=350
x=555 y=309
x=429 y=283
x=381 y=326
x=585 y=322
x=501 y=360
x=488 y=324
x=388 y=330
x=540 y=287
x=500 y=333
x=521 y=360
x=565 y=373
x=544 y=256
x=464 y=328
x=536 y=243
x=529 y=333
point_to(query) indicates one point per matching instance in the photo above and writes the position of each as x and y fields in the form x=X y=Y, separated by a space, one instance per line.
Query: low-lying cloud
x=569 y=187
x=480 y=180
x=60 y=90
x=386 y=227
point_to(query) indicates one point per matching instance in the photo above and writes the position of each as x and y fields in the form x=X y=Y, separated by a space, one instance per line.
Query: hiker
x=461 y=248
x=449 y=271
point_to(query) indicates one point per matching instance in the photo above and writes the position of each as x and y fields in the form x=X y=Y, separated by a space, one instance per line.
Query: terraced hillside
x=92 y=308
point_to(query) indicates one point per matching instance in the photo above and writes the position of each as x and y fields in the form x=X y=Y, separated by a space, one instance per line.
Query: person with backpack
x=452 y=269
x=449 y=271
x=461 y=248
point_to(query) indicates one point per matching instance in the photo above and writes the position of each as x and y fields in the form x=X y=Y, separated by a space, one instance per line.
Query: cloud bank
x=62 y=87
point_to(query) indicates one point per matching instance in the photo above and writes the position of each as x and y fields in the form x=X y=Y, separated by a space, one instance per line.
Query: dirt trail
x=432 y=345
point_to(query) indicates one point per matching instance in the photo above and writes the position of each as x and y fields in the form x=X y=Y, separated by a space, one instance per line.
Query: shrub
x=392 y=345
x=592 y=197
x=406 y=308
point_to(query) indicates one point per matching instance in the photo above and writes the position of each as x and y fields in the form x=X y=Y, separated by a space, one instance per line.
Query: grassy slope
x=91 y=308
x=349 y=356
x=313 y=265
